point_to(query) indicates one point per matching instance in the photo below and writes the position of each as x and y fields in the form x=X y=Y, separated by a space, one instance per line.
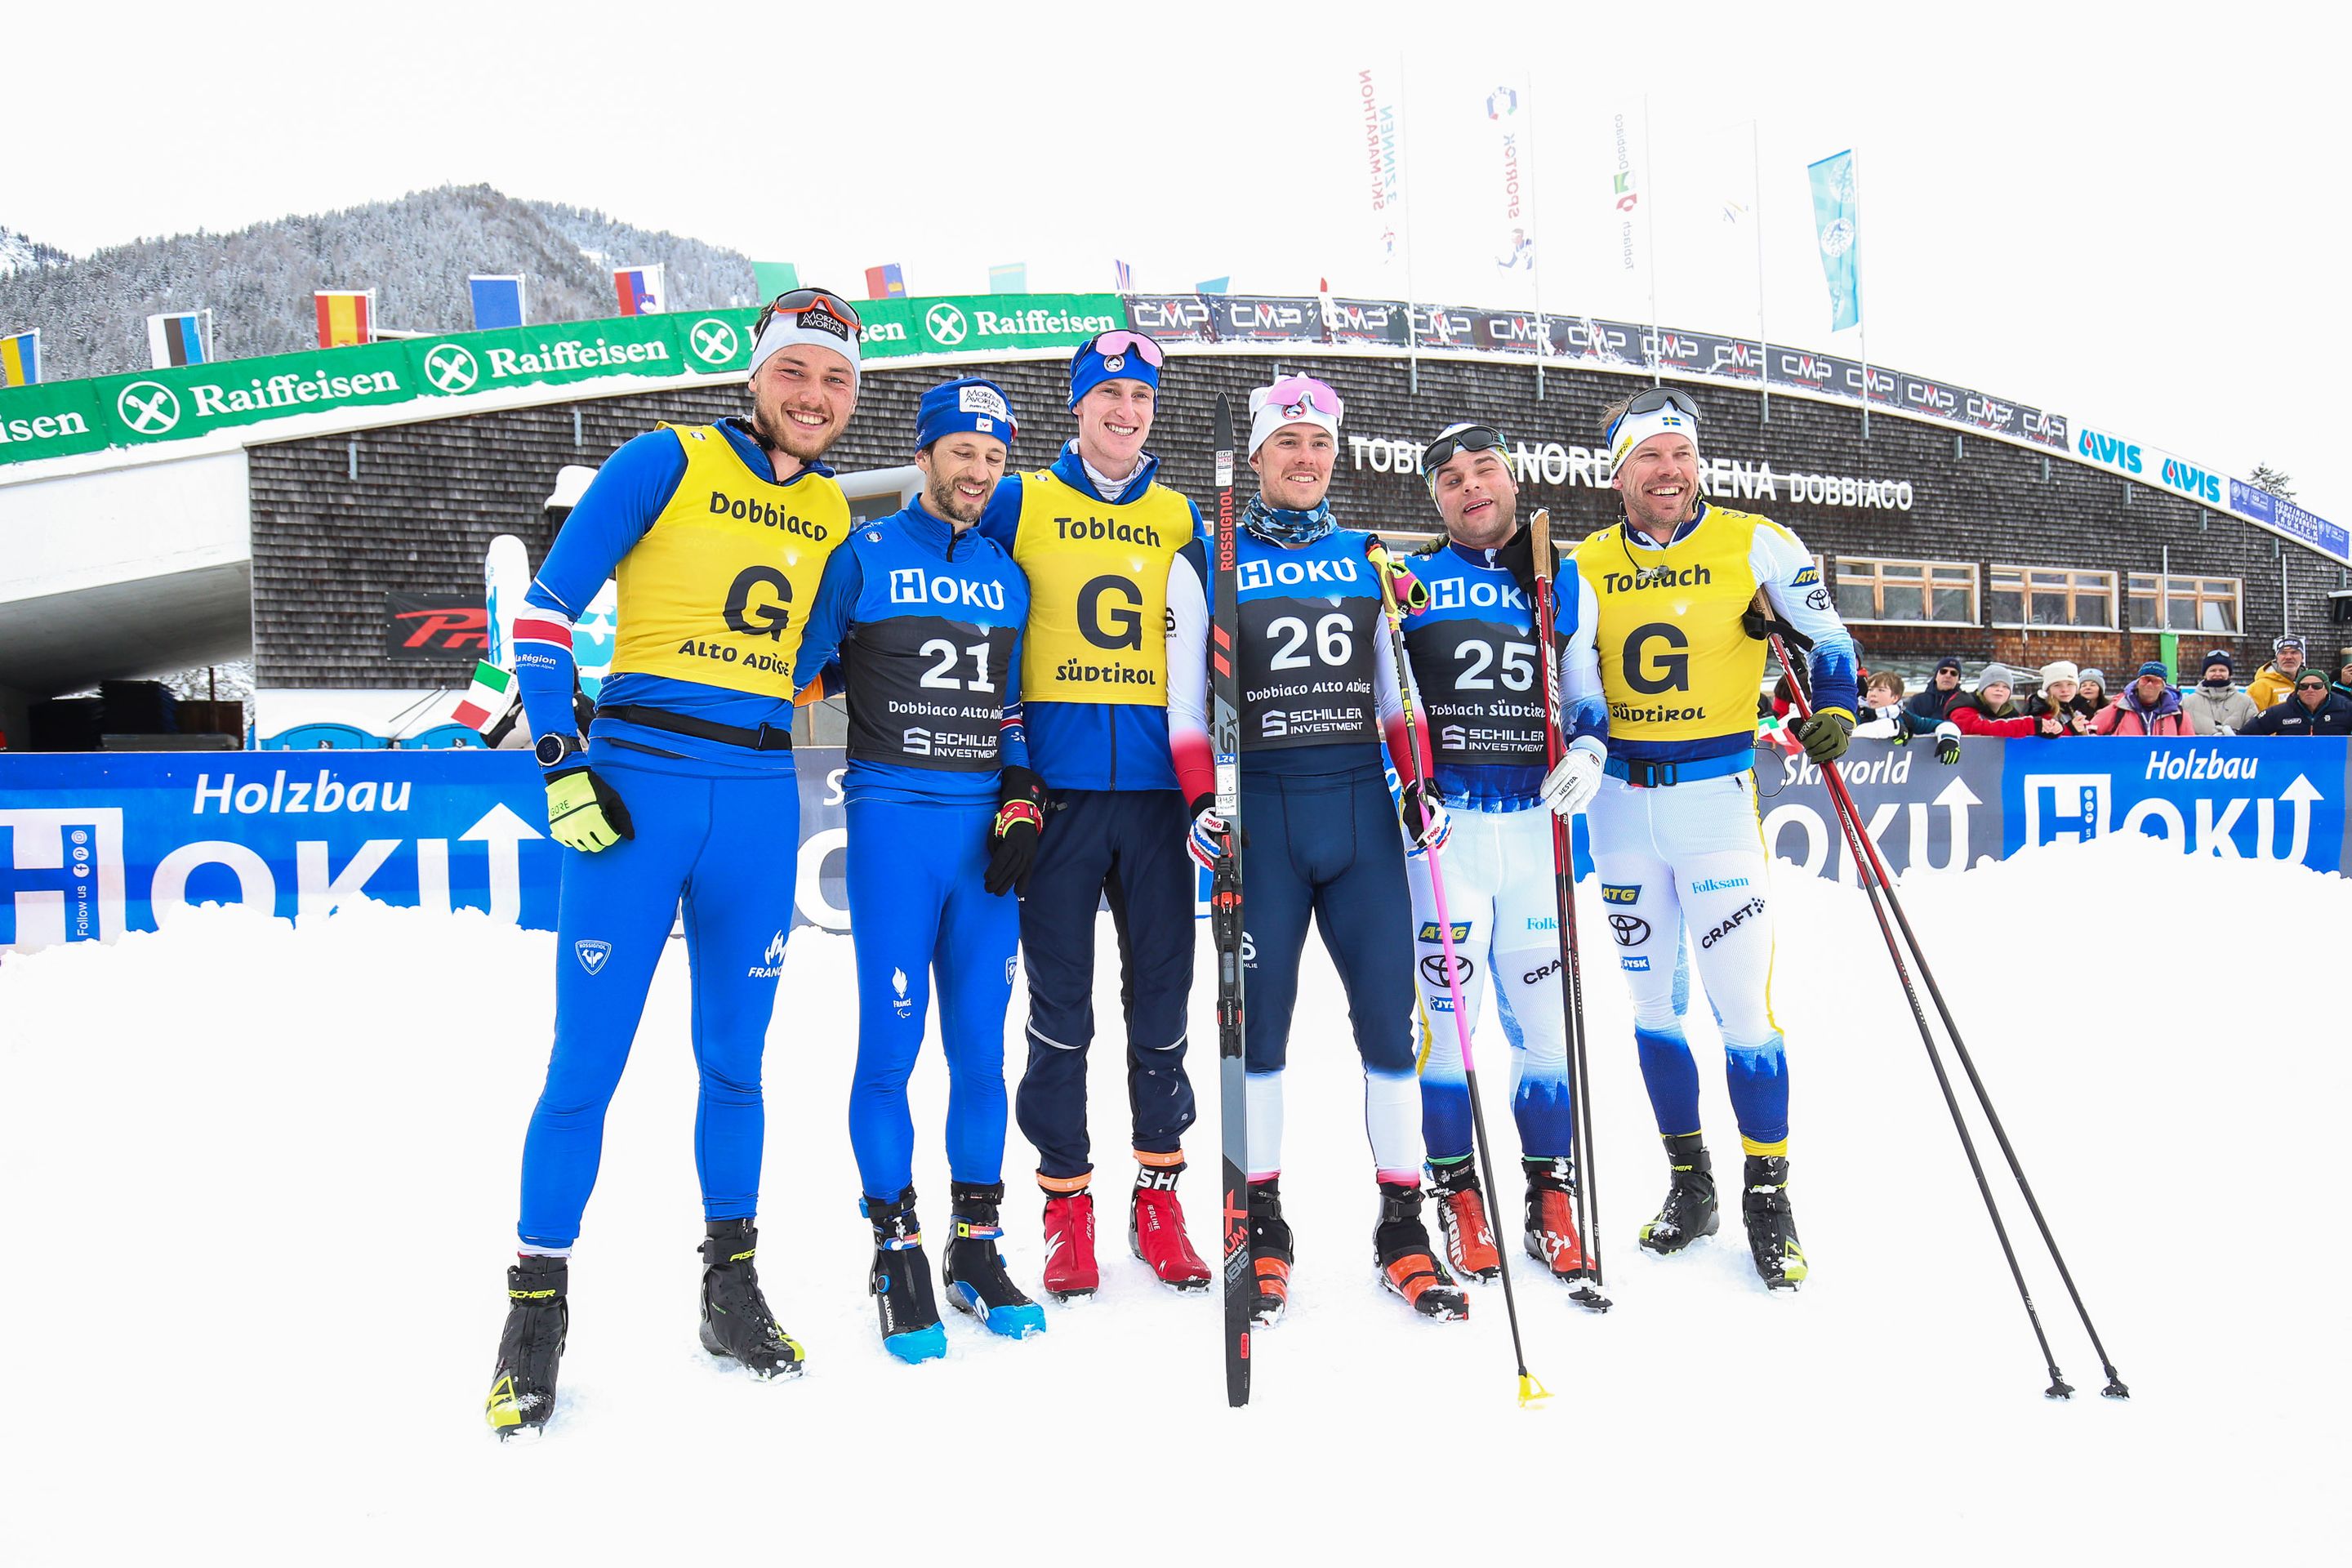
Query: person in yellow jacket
x=2276 y=679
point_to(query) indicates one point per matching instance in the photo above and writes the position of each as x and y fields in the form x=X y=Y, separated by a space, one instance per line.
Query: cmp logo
x=450 y=368
x=1631 y=930
x=946 y=324
x=712 y=340
x=592 y=953
x=149 y=407
x=774 y=965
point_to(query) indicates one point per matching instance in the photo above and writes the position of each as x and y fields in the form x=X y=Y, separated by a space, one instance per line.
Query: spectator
x=2343 y=688
x=1884 y=717
x=2148 y=706
x=2057 y=697
x=2091 y=693
x=2309 y=710
x=1990 y=711
x=2276 y=679
x=2218 y=707
x=1928 y=706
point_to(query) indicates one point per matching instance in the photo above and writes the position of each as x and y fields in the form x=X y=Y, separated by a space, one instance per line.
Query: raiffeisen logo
x=1037 y=318
x=2192 y=481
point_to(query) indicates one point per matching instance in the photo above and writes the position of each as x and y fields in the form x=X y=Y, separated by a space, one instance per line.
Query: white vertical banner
x=1510 y=197
x=1381 y=104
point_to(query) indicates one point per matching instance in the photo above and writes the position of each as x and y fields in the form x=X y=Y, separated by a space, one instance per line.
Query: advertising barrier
x=96 y=845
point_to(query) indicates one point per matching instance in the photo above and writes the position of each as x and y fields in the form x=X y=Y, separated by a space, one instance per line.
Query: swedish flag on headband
x=20 y=359
x=182 y=337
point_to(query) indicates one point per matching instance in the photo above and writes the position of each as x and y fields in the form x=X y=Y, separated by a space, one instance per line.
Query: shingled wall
x=429 y=498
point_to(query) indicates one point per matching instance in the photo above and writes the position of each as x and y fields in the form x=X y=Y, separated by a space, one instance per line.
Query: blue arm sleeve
x=828 y=616
x=1001 y=521
x=629 y=492
x=1016 y=741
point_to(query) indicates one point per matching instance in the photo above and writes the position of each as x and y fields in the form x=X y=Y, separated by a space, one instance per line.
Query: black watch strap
x=552 y=750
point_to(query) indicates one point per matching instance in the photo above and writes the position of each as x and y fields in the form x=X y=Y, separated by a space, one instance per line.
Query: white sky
x=2127 y=215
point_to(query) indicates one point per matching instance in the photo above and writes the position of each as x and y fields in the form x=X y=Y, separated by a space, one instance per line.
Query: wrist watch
x=552 y=750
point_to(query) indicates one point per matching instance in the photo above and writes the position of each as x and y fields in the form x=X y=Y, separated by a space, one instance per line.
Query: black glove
x=1013 y=837
x=1825 y=736
x=1518 y=558
x=1895 y=716
x=1948 y=744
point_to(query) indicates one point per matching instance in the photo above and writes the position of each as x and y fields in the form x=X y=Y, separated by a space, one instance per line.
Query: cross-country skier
x=1103 y=543
x=1474 y=654
x=1665 y=594
x=684 y=792
x=925 y=617
x=1318 y=691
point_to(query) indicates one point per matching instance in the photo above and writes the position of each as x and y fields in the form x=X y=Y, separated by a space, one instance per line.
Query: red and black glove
x=1013 y=837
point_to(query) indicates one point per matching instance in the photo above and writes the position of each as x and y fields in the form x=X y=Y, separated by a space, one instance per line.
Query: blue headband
x=969 y=402
x=1090 y=368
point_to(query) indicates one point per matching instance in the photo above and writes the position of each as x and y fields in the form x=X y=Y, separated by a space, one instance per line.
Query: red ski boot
x=1462 y=1219
x=1070 y=1242
x=1155 y=1229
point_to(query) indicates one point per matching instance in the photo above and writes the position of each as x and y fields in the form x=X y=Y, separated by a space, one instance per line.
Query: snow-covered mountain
x=21 y=253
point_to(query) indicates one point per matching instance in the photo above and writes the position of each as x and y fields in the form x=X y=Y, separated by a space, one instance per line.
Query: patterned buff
x=1278 y=525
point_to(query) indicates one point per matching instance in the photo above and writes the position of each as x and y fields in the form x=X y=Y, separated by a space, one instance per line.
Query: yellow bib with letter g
x=1675 y=663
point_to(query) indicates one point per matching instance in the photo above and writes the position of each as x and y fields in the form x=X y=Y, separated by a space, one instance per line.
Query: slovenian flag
x=497 y=302
x=884 y=283
x=346 y=316
x=642 y=291
x=20 y=359
x=178 y=339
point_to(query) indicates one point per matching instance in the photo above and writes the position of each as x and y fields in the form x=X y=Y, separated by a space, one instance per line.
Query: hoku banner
x=1380 y=109
x=1837 y=220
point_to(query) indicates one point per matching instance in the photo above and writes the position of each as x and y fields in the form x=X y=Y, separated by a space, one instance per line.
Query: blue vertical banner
x=1837 y=222
x=497 y=302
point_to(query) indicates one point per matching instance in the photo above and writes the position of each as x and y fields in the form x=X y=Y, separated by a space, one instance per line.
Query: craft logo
x=592 y=953
x=1738 y=918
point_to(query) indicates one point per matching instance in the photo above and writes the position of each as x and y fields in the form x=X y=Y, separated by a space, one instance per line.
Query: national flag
x=642 y=291
x=497 y=301
x=1214 y=285
x=1012 y=278
x=1380 y=105
x=20 y=359
x=1125 y=277
x=886 y=283
x=180 y=337
x=769 y=279
x=346 y=316
x=486 y=699
x=1837 y=220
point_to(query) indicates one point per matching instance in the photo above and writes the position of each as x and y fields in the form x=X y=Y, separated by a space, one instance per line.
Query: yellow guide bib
x=717 y=590
x=1098 y=591
x=1675 y=663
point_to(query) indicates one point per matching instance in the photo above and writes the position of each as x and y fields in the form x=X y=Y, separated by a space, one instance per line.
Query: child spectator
x=2309 y=710
x=2148 y=706
x=2217 y=707
x=2276 y=679
x=2057 y=697
x=2091 y=693
x=1990 y=710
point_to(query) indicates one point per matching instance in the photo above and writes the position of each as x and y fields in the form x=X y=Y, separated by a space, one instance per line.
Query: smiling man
x=1675 y=838
x=683 y=794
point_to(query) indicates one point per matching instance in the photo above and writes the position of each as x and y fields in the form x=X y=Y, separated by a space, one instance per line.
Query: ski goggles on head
x=817 y=317
x=1661 y=410
x=1460 y=438
x=1295 y=394
x=1124 y=341
x=797 y=301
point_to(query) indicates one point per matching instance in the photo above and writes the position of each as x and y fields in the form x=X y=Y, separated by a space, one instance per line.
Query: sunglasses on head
x=1659 y=397
x=1123 y=342
x=1469 y=438
x=1293 y=395
x=796 y=301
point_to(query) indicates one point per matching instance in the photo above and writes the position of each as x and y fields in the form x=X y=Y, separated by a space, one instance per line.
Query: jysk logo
x=1621 y=894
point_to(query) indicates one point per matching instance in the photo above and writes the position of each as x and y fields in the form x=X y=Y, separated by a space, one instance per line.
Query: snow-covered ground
x=256 y=1188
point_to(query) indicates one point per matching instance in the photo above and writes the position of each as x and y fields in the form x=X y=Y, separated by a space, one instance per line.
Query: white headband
x=1267 y=417
x=1636 y=428
x=812 y=328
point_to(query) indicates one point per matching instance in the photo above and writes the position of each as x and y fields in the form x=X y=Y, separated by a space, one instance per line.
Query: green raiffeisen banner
x=63 y=418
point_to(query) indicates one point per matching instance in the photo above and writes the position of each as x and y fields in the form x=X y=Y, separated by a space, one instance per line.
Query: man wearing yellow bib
x=1103 y=543
x=684 y=794
x=1669 y=680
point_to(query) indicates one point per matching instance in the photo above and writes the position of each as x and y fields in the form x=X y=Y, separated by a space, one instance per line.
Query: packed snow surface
x=257 y=1190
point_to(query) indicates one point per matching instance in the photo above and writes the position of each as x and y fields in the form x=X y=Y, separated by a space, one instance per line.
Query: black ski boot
x=522 y=1389
x=1462 y=1218
x=1270 y=1253
x=735 y=1317
x=977 y=1282
x=1771 y=1223
x=1689 y=1211
x=901 y=1281
x=1407 y=1267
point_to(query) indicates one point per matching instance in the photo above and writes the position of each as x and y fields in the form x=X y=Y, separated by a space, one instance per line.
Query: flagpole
x=1763 y=342
x=1861 y=321
x=1534 y=264
x=1650 y=224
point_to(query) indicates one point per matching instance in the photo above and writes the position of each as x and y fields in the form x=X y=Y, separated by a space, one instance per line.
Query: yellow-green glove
x=584 y=812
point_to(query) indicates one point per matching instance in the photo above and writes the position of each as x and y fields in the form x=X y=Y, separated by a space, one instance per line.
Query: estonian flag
x=20 y=359
x=178 y=339
x=345 y=317
x=642 y=291
x=497 y=302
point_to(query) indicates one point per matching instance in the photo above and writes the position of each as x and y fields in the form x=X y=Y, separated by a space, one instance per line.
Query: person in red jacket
x=1991 y=709
x=2148 y=706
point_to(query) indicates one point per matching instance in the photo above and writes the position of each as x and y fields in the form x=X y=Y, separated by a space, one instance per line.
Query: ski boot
x=1551 y=1238
x=1155 y=1229
x=735 y=1317
x=1270 y=1252
x=1070 y=1244
x=1689 y=1211
x=977 y=1282
x=523 y=1388
x=1401 y=1244
x=1462 y=1218
x=1771 y=1223
x=901 y=1281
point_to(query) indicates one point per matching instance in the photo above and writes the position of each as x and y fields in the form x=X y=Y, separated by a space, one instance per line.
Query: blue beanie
x=1090 y=367
x=2156 y=668
x=968 y=403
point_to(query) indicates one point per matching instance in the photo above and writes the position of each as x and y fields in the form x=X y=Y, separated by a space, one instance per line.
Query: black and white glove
x=1425 y=818
x=1947 y=743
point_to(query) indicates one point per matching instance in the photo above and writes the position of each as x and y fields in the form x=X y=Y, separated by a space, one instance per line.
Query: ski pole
x=1871 y=869
x=1586 y=1198
x=1531 y=1388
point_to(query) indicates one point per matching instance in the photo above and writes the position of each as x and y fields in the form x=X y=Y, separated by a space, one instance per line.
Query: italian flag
x=487 y=698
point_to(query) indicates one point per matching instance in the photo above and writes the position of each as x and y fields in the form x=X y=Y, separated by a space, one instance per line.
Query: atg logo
x=66 y=864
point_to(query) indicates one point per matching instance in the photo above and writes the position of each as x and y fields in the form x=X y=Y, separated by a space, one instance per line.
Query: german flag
x=20 y=359
x=344 y=317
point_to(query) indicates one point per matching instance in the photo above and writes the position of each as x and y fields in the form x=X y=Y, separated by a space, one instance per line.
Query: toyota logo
x=148 y=415
x=1629 y=930
x=945 y=324
x=1432 y=969
x=450 y=367
x=712 y=340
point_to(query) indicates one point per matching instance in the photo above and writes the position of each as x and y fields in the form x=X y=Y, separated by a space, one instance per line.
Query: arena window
x=2052 y=596
x=2185 y=603
x=1907 y=592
